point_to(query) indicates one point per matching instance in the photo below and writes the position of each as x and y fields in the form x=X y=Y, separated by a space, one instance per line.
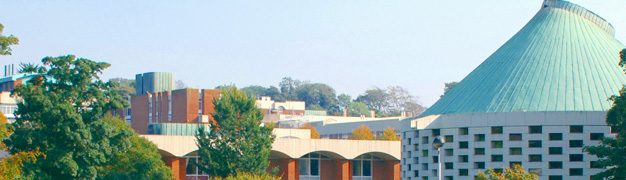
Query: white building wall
x=417 y=137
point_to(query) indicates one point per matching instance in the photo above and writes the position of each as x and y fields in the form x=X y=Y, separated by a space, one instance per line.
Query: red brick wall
x=139 y=113
x=178 y=166
x=208 y=107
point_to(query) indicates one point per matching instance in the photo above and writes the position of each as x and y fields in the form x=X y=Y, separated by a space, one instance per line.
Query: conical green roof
x=565 y=59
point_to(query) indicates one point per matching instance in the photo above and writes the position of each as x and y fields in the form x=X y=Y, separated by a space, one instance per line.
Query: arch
x=331 y=154
x=165 y=153
x=383 y=155
x=279 y=154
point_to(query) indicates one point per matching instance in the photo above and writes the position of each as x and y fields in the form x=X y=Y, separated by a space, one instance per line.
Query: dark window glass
x=556 y=136
x=496 y=158
x=576 y=129
x=479 y=151
x=435 y=159
x=555 y=177
x=555 y=165
x=479 y=137
x=449 y=165
x=416 y=173
x=463 y=158
x=534 y=158
x=425 y=140
x=424 y=153
x=515 y=151
x=463 y=145
x=555 y=150
x=575 y=171
x=479 y=165
x=315 y=164
x=463 y=172
x=515 y=137
x=463 y=131
x=576 y=157
x=496 y=130
x=534 y=129
x=596 y=136
x=496 y=144
x=436 y=132
x=575 y=143
x=534 y=143
x=449 y=139
x=449 y=152
x=367 y=168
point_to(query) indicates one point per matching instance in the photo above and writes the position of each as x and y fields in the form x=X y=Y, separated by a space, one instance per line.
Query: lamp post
x=438 y=143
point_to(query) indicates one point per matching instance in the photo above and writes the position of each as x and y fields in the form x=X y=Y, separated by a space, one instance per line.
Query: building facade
x=536 y=101
x=152 y=82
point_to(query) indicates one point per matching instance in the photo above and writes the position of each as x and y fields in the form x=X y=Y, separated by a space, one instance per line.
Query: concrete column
x=178 y=166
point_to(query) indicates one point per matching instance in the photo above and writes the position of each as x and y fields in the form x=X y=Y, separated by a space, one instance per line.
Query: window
x=425 y=140
x=479 y=137
x=555 y=150
x=479 y=151
x=497 y=158
x=515 y=137
x=463 y=145
x=575 y=143
x=496 y=130
x=463 y=172
x=575 y=157
x=555 y=177
x=594 y=165
x=556 y=136
x=310 y=166
x=409 y=141
x=448 y=178
x=576 y=171
x=416 y=160
x=463 y=158
x=536 y=171
x=424 y=153
x=479 y=165
x=449 y=138
x=192 y=170
x=496 y=144
x=596 y=136
x=448 y=165
x=416 y=134
x=576 y=129
x=534 y=129
x=435 y=159
x=534 y=143
x=515 y=151
x=555 y=165
x=514 y=163
x=416 y=173
x=534 y=158
x=424 y=166
x=463 y=131
x=498 y=170
x=436 y=132
x=424 y=177
x=449 y=152
x=416 y=147
x=362 y=167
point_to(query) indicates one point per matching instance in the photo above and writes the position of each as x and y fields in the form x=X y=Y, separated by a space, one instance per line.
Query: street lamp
x=438 y=143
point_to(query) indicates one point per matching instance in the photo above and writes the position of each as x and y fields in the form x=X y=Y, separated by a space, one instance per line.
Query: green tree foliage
x=449 y=86
x=29 y=68
x=515 y=173
x=11 y=167
x=314 y=133
x=611 y=151
x=61 y=119
x=391 y=101
x=390 y=135
x=237 y=142
x=362 y=133
x=344 y=100
x=141 y=161
x=317 y=94
x=358 y=109
x=255 y=91
x=124 y=87
x=248 y=176
x=6 y=42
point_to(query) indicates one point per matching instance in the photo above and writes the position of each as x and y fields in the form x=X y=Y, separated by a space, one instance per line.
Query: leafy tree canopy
x=515 y=173
x=124 y=87
x=237 y=142
x=362 y=133
x=358 y=109
x=390 y=135
x=60 y=117
x=6 y=42
x=314 y=133
x=611 y=151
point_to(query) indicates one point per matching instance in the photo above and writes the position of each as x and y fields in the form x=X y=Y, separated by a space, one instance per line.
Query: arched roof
x=564 y=59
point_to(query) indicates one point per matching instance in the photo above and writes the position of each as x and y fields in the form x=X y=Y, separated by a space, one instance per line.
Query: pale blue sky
x=350 y=45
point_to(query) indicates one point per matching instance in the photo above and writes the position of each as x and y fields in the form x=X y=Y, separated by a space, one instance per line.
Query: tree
x=124 y=87
x=11 y=167
x=344 y=101
x=449 y=86
x=516 y=173
x=362 y=133
x=374 y=98
x=314 y=133
x=5 y=42
x=611 y=151
x=28 y=68
x=236 y=142
x=288 y=88
x=358 y=109
x=141 y=161
x=317 y=94
x=60 y=117
x=255 y=91
x=390 y=135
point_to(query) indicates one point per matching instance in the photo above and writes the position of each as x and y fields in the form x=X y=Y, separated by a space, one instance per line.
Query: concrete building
x=153 y=82
x=299 y=157
x=269 y=106
x=536 y=101
x=177 y=106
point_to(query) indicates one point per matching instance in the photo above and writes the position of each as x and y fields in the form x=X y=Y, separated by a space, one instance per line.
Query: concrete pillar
x=178 y=166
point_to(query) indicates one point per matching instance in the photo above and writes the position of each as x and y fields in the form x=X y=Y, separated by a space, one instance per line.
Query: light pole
x=438 y=143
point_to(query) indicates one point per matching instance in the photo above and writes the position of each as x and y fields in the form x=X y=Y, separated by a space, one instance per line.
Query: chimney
x=345 y=112
x=373 y=113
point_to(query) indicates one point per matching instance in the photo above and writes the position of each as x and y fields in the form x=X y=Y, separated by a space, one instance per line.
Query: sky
x=350 y=45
